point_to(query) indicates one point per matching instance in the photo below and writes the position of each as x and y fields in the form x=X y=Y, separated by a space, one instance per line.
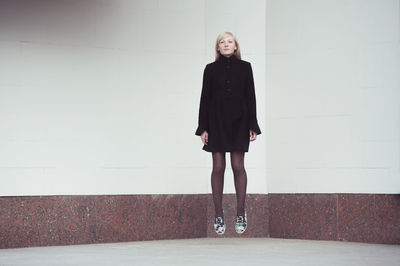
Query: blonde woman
x=228 y=122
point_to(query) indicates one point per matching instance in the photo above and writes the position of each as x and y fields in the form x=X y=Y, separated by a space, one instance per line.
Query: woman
x=228 y=122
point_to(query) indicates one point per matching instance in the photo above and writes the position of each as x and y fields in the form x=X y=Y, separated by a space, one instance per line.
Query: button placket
x=228 y=76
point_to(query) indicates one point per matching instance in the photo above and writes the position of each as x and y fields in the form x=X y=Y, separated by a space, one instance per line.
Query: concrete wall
x=333 y=96
x=100 y=97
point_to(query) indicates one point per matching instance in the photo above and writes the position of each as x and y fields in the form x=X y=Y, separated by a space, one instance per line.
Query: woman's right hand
x=204 y=137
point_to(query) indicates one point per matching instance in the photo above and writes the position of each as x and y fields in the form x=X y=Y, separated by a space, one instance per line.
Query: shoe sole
x=218 y=232
x=240 y=231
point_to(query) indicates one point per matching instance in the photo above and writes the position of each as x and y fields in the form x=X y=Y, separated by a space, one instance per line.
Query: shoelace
x=240 y=219
x=219 y=220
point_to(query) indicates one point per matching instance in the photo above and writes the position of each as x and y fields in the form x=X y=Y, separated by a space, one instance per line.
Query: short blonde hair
x=220 y=37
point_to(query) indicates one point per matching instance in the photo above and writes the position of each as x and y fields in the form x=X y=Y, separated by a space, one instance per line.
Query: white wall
x=333 y=96
x=101 y=97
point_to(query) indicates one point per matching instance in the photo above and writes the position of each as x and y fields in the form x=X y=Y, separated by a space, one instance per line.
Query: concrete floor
x=209 y=251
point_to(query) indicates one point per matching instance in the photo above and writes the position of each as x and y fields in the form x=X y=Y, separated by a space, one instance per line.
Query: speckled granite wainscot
x=42 y=221
x=257 y=215
x=304 y=216
x=370 y=218
x=148 y=217
x=65 y=220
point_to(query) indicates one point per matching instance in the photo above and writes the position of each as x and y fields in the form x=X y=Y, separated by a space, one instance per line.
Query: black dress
x=228 y=105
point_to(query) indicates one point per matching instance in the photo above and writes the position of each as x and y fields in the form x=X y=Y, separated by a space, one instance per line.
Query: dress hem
x=225 y=150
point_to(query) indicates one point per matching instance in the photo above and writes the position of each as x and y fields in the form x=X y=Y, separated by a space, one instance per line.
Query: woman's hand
x=204 y=137
x=253 y=135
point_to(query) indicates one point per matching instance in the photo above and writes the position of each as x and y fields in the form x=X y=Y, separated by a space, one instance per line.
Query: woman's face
x=227 y=46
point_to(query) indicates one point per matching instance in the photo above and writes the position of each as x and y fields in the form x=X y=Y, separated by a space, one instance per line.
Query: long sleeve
x=204 y=101
x=251 y=102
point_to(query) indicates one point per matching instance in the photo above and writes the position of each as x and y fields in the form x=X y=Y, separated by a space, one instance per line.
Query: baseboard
x=368 y=218
x=29 y=221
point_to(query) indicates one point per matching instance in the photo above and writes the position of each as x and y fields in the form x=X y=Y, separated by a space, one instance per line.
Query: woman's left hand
x=253 y=135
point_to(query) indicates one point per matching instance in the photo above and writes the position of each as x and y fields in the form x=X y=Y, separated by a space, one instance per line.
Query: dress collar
x=225 y=59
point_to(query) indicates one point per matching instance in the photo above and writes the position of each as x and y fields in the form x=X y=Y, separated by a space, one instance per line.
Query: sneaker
x=219 y=225
x=241 y=223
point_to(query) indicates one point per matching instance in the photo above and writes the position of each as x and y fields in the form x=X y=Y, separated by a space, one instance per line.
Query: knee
x=238 y=169
x=219 y=169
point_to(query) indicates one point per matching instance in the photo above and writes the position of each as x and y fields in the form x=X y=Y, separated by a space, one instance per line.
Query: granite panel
x=388 y=213
x=65 y=220
x=370 y=218
x=149 y=217
x=303 y=216
x=43 y=221
x=257 y=216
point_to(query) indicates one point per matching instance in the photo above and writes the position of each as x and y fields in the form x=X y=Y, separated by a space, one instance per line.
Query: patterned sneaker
x=219 y=225
x=241 y=223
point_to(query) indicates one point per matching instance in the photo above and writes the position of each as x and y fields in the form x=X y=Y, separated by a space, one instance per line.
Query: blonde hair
x=220 y=37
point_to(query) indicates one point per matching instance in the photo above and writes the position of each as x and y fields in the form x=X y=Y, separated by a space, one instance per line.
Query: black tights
x=217 y=180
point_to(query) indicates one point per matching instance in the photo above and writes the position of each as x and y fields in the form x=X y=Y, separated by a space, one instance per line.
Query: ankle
x=242 y=213
x=219 y=214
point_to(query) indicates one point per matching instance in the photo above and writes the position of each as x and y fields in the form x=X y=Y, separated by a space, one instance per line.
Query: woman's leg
x=239 y=173
x=217 y=180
